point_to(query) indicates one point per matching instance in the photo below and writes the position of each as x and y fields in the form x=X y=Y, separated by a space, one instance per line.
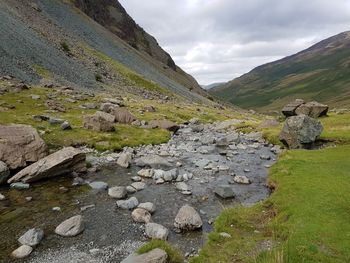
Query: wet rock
x=124 y=160
x=188 y=219
x=224 y=191
x=139 y=186
x=181 y=186
x=141 y=215
x=20 y=186
x=98 y=186
x=147 y=173
x=4 y=172
x=71 y=227
x=241 y=179
x=105 y=116
x=154 y=161
x=156 y=231
x=202 y=163
x=130 y=189
x=96 y=123
x=66 y=126
x=20 y=145
x=123 y=115
x=117 y=192
x=32 y=237
x=164 y=124
x=290 y=108
x=300 y=132
x=64 y=161
x=136 y=179
x=22 y=252
x=128 y=204
x=154 y=256
x=150 y=207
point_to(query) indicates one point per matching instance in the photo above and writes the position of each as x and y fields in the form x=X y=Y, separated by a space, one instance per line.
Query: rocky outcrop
x=59 y=163
x=20 y=145
x=188 y=219
x=300 y=132
x=313 y=109
x=164 y=124
x=98 y=123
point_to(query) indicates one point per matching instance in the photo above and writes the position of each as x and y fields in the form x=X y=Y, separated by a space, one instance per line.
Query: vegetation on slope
x=304 y=220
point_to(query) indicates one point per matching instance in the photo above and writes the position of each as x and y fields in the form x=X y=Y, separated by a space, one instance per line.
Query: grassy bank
x=306 y=219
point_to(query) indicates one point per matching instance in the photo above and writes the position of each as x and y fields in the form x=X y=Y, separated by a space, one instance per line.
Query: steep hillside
x=46 y=39
x=320 y=72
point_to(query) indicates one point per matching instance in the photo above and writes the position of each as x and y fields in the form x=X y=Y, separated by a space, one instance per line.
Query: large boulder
x=156 y=255
x=20 y=145
x=300 y=132
x=61 y=162
x=290 y=108
x=188 y=219
x=164 y=124
x=312 y=109
x=98 y=123
x=123 y=115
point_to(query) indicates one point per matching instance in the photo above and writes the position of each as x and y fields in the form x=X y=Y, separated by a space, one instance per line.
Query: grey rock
x=141 y=215
x=66 y=126
x=128 y=204
x=130 y=189
x=136 y=178
x=55 y=121
x=32 y=237
x=156 y=231
x=124 y=160
x=71 y=227
x=290 y=108
x=105 y=116
x=188 y=219
x=183 y=187
x=150 y=207
x=2 y=197
x=147 y=173
x=4 y=172
x=96 y=123
x=154 y=256
x=313 y=109
x=117 y=192
x=98 y=186
x=154 y=161
x=224 y=191
x=139 y=185
x=20 y=186
x=241 y=179
x=22 y=252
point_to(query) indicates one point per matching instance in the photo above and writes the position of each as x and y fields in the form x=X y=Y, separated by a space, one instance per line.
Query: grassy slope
x=306 y=219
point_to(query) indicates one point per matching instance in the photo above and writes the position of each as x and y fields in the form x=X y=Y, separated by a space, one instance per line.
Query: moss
x=43 y=72
x=174 y=255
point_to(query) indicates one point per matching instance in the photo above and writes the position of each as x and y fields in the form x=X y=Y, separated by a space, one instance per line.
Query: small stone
x=117 y=192
x=186 y=192
x=71 y=227
x=183 y=187
x=178 y=164
x=32 y=237
x=63 y=189
x=29 y=198
x=56 y=209
x=246 y=170
x=150 y=207
x=156 y=231
x=225 y=235
x=22 y=252
x=66 y=126
x=130 y=189
x=241 y=179
x=160 y=181
x=2 y=197
x=141 y=215
x=224 y=191
x=20 y=186
x=265 y=157
x=147 y=173
x=35 y=97
x=84 y=208
x=128 y=204
x=139 y=186
x=124 y=160
x=99 y=186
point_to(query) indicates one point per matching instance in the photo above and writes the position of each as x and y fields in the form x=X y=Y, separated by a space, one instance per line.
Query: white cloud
x=217 y=40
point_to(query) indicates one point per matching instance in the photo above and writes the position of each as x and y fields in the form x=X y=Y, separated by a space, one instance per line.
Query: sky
x=219 y=40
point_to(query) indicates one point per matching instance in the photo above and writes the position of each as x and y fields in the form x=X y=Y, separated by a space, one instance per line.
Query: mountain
x=46 y=39
x=321 y=72
x=213 y=85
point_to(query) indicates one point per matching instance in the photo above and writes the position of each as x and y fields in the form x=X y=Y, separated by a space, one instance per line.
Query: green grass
x=174 y=255
x=306 y=218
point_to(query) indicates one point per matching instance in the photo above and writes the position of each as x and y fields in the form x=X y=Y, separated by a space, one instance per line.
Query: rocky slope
x=320 y=73
x=106 y=48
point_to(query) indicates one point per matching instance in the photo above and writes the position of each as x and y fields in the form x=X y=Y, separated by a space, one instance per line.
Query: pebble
x=2 y=197
x=56 y=209
x=84 y=208
x=136 y=179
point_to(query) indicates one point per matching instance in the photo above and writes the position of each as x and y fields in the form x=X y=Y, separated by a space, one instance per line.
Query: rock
x=150 y=207
x=224 y=191
x=123 y=115
x=153 y=161
x=168 y=176
x=35 y=97
x=32 y=237
x=89 y=106
x=128 y=204
x=105 y=116
x=225 y=235
x=154 y=256
x=66 y=126
x=276 y=149
x=300 y=132
x=156 y=231
x=268 y=124
x=124 y=160
x=55 y=105
x=20 y=145
x=183 y=187
x=160 y=181
x=117 y=192
x=41 y=117
x=164 y=124
x=139 y=186
x=108 y=107
x=188 y=219
x=56 y=209
x=55 y=121
x=136 y=179
x=241 y=179
x=312 y=109
x=29 y=198
x=22 y=252
x=96 y=123
x=98 y=186
x=130 y=189
x=202 y=163
x=141 y=215
x=265 y=157
x=71 y=227
x=149 y=108
x=19 y=186
x=62 y=162
x=147 y=173
x=4 y=172
x=2 y=197
x=115 y=102
x=289 y=109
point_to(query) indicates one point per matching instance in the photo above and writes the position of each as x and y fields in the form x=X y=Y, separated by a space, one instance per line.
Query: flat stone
x=156 y=231
x=128 y=204
x=117 y=192
x=224 y=191
x=22 y=252
x=150 y=207
x=32 y=237
x=139 y=186
x=141 y=215
x=71 y=227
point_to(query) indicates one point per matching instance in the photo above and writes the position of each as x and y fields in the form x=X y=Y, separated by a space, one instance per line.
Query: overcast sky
x=218 y=40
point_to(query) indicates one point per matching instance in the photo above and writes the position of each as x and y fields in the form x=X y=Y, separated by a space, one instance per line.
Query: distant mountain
x=213 y=85
x=47 y=38
x=321 y=72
